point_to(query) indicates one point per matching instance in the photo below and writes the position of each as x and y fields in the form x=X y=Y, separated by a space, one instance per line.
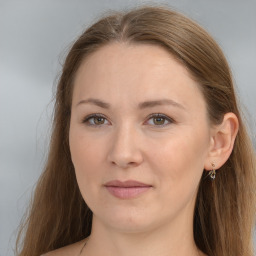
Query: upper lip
x=126 y=184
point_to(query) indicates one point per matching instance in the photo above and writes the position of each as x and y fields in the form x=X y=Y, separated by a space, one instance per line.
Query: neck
x=167 y=240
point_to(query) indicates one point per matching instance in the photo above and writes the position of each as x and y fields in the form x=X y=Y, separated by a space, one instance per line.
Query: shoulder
x=69 y=250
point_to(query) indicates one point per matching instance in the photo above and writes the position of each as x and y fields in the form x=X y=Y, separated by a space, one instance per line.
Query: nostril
x=125 y=164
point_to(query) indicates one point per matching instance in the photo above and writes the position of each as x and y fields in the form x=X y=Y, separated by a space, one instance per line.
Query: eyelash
x=155 y=115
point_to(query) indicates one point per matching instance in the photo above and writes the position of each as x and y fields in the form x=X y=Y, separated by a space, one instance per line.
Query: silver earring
x=212 y=173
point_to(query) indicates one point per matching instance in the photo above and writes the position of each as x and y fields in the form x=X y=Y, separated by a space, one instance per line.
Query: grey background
x=34 y=38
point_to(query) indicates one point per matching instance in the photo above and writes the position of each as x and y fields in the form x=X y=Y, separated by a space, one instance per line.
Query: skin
x=127 y=144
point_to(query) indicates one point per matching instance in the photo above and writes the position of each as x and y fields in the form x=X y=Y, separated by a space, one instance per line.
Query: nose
x=125 y=150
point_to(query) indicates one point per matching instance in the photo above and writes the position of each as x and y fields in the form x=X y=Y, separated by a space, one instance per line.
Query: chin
x=127 y=223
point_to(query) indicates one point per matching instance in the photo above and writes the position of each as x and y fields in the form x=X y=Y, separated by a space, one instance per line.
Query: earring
x=212 y=173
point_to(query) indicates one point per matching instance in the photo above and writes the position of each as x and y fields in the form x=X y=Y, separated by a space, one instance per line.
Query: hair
x=224 y=215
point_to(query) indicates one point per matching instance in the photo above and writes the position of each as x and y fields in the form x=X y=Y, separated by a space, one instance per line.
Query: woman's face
x=150 y=126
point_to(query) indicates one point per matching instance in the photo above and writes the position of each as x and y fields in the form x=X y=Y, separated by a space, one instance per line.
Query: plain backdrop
x=34 y=38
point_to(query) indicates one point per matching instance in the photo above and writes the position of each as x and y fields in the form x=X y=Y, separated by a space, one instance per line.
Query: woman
x=149 y=154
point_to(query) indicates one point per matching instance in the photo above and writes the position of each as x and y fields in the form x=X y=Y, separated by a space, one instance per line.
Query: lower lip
x=126 y=193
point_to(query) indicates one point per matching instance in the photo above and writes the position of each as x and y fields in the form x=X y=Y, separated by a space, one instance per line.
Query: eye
x=160 y=120
x=94 y=120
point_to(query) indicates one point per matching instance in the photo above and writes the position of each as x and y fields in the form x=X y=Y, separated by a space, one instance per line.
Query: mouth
x=127 y=189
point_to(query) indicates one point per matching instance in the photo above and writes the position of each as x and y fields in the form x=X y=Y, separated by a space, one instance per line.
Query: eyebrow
x=142 y=105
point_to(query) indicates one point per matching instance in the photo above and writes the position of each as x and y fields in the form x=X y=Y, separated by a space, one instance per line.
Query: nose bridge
x=125 y=149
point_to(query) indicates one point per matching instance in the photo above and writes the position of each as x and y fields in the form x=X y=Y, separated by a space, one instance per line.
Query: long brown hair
x=224 y=216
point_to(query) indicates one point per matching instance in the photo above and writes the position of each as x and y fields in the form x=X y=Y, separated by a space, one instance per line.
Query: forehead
x=112 y=56
x=121 y=72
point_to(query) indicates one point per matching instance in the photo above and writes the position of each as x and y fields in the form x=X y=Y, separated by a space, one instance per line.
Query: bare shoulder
x=69 y=250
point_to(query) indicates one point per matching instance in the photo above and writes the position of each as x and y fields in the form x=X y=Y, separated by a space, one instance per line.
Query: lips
x=126 y=184
x=126 y=189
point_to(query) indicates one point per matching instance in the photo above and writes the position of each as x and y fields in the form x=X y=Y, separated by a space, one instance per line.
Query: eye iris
x=99 y=120
x=159 y=120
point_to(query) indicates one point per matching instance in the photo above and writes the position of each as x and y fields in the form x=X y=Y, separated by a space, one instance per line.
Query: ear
x=222 y=141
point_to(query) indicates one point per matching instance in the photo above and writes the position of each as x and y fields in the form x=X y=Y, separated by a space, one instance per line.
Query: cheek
x=85 y=154
x=181 y=161
x=178 y=173
x=83 y=147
